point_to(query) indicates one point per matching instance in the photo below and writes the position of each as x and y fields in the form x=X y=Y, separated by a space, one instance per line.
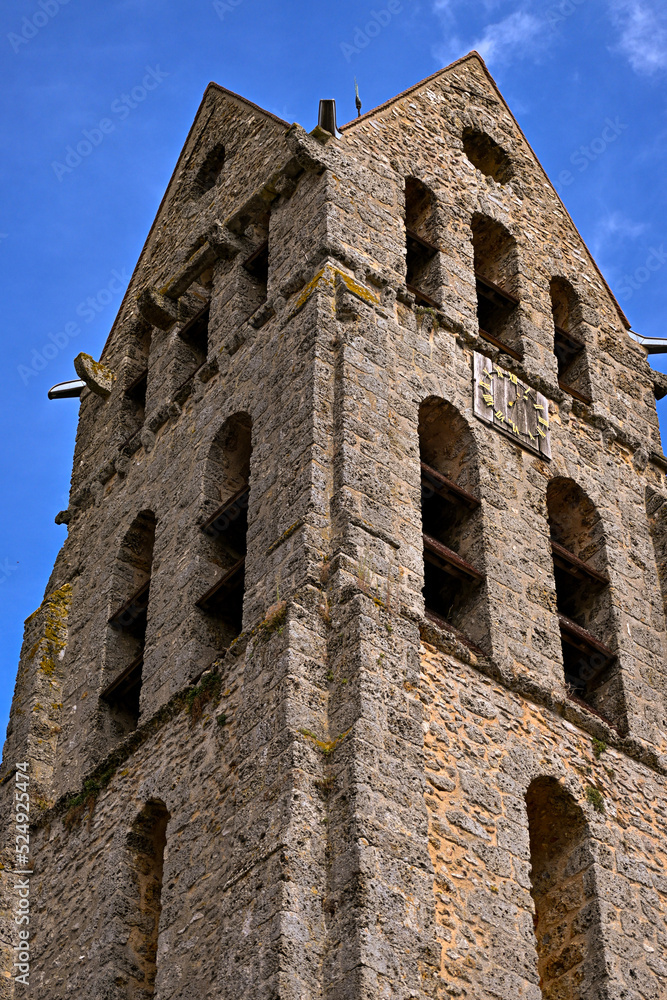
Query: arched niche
x=224 y=532
x=567 y=916
x=422 y=253
x=126 y=635
x=569 y=345
x=145 y=848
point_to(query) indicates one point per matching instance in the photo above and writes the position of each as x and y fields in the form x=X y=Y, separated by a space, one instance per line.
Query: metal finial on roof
x=357 y=99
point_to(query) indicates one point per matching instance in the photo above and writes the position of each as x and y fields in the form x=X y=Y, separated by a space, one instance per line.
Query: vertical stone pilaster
x=380 y=902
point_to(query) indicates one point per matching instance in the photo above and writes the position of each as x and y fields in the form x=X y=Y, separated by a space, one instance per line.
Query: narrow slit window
x=194 y=352
x=422 y=252
x=583 y=600
x=656 y=513
x=485 y=154
x=451 y=523
x=496 y=280
x=136 y=390
x=254 y=287
x=569 y=348
x=195 y=335
x=225 y=531
x=146 y=845
x=208 y=174
x=136 y=386
x=128 y=625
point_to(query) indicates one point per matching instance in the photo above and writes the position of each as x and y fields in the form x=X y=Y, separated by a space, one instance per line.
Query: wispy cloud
x=613 y=229
x=511 y=37
x=643 y=33
x=521 y=34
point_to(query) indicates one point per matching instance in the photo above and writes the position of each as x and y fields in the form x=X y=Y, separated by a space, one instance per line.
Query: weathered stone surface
x=98 y=377
x=347 y=795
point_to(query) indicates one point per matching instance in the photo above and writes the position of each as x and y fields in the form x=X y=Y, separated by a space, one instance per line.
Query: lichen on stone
x=53 y=639
x=97 y=376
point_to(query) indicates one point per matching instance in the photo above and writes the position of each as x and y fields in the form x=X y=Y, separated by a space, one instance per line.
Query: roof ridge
x=179 y=160
x=239 y=97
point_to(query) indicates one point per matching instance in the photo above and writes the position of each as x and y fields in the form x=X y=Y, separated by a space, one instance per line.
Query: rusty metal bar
x=501 y=345
x=494 y=292
x=421 y=242
x=134 y=606
x=126 y=681
x=453 y=563
x=239 y=499
x=576 y=567
x=446 y=487
x=227 y=582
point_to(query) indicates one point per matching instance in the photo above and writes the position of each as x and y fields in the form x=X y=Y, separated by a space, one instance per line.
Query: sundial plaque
x=502 y=400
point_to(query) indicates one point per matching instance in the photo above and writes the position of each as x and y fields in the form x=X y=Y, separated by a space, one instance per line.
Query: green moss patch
x=596 y=798
x=208 y=690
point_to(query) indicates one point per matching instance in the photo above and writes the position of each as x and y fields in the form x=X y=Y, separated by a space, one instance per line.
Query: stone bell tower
x=349 y=680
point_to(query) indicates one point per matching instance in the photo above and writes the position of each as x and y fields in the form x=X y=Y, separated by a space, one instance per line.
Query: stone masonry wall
x=347 y=814
x=484 y=747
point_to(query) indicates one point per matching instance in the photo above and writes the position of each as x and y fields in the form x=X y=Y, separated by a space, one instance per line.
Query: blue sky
x=585 y=78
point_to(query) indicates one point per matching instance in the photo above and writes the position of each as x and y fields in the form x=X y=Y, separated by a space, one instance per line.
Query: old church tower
x=349 y=681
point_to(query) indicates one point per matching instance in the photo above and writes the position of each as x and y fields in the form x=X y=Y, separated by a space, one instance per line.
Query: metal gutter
x=652 y=345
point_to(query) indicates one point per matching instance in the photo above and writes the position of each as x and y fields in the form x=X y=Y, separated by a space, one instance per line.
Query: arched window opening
x=485 y=154
x=192 y=356
x=128 y=623
x=209 y=172
x=567 y=916
x=496 y=277
x=255 y=271
x=422 y=277
x=226 y=528
x=451 y=522
x=583 y=599
x=146 y=845
x=570 y=350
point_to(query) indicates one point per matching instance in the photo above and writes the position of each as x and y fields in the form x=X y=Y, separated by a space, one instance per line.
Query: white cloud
x=643 y=33
x=614 y=229
x=520 y=34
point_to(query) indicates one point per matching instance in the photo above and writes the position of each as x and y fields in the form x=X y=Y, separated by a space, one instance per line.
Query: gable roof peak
x=417 y=86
